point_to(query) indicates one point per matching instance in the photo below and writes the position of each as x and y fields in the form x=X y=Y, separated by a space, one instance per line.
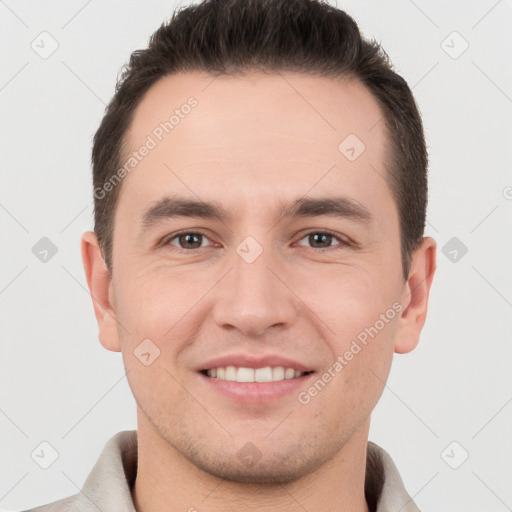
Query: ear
x=415 y=296
x=101 y=289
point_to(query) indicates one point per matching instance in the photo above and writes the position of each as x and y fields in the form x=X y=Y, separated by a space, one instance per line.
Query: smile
x=264 y=374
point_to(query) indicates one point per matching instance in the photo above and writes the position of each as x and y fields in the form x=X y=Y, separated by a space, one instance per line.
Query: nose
x=255 y=296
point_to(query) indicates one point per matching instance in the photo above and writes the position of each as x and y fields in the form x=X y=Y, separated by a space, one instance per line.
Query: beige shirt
x=107 y=487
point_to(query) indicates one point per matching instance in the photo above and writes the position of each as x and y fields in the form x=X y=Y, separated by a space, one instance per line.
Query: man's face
x=254 y=145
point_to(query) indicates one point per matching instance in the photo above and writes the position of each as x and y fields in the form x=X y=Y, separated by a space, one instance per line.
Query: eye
x=323 y=239
x=186 y=240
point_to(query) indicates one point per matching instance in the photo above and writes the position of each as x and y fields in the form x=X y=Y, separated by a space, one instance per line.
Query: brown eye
x=322 y=239
x=188 y=240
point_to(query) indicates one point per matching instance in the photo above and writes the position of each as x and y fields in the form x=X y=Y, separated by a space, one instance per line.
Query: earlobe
x=100 y=287
x=415 y=296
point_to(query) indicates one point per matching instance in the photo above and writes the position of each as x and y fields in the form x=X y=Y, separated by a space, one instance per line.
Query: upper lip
x=251 y=361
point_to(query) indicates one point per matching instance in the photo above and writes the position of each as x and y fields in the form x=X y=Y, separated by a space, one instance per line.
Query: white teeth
x=265 y=374
x=278 y=373
x=245 y=375
x=289 y=373
x=230 y=373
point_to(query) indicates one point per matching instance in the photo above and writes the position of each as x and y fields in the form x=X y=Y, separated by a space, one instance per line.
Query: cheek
x=358 y=374
x=359 y=318
x=348 y=299
x=154 y=312
x=155 y=299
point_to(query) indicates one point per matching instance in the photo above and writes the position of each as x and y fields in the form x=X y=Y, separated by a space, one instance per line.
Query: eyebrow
x=337 y=207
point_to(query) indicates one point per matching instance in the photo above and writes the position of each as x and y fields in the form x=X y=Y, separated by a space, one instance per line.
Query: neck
x=168 y=482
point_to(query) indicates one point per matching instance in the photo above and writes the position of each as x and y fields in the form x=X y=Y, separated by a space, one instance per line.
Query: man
x=284 y=149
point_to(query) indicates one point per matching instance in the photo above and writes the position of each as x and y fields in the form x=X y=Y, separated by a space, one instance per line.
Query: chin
x=272 y=472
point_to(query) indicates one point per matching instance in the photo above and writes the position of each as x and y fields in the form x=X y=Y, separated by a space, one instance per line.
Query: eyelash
x=343 y=243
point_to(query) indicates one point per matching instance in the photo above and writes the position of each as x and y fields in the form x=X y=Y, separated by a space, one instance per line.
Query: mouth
x=254 y=375
x=243 y=385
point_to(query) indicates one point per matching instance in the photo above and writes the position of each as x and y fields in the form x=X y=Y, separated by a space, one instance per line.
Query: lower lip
x=256 y=392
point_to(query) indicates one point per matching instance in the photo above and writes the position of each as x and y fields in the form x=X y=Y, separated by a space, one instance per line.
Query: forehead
x=324 y=106
x=272 y=134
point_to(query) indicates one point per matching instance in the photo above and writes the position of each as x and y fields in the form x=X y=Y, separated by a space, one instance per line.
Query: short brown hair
x=226 y=37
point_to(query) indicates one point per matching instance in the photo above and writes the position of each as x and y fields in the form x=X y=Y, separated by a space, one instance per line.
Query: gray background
x=57 y=383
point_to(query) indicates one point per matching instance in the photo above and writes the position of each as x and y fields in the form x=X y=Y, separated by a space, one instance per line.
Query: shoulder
x=383 y=482
x=109 y=479
x=73 y=503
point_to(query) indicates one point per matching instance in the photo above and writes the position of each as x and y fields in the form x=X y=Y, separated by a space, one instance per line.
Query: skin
x=251 y=143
